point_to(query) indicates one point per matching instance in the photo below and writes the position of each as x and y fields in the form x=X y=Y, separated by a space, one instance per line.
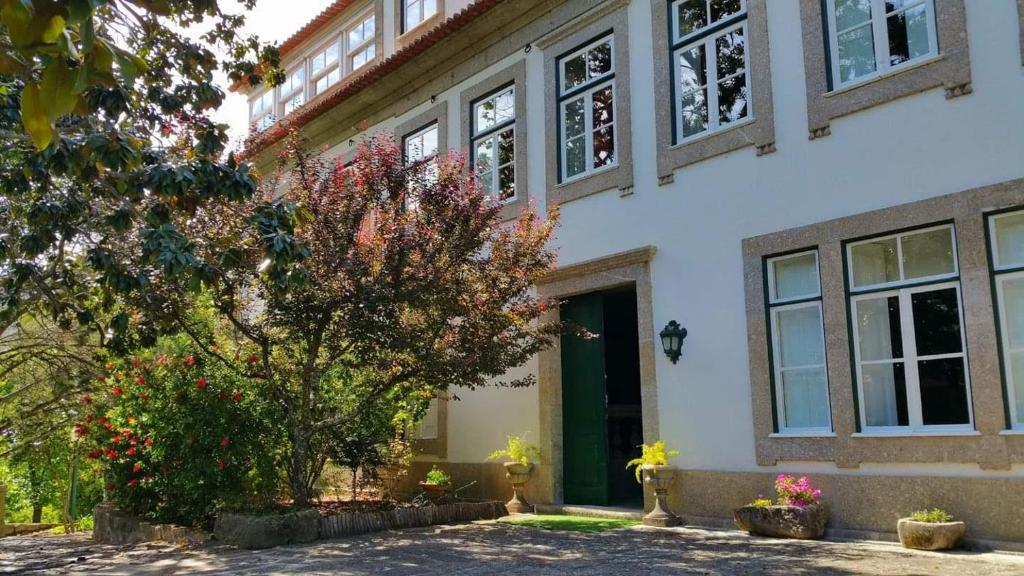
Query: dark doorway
x=601 y=409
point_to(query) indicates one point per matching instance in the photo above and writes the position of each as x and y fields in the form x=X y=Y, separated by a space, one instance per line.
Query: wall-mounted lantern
x=672 y=340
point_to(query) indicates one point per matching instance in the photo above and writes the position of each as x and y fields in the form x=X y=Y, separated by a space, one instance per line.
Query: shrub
x=517 y=450
x=438 y=477
x=796 y=492
x=761 y=502
x=180 y=435
x=933 y=516
x=653 y=455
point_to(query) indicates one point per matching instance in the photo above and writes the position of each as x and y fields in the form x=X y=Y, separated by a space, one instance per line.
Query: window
x=494 y=143
x=324 y=70
x=1006 y=234
x=361 y=47
x=798 y=344
x=712 y=72
x=421 y=148
x=587 y=109
x=261 y=111
x=291 y=91
x=907 y=315
x=870 y=37
x=416 y=11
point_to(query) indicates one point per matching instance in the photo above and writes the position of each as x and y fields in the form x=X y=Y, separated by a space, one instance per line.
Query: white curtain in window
x=874 y=332
x=801 y=356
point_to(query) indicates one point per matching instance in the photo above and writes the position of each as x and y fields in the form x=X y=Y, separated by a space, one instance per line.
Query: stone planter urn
x=660 y=479
x=800 y=522
x=518 y=474
x=930 y=535
x=435 y=492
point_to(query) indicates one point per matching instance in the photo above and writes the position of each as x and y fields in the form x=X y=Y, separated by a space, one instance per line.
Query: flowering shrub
x=796 y=492
x=180 y=435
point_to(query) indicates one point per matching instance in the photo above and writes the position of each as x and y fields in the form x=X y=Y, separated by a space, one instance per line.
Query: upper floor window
x=361 y=46
x=1006 y=233
x=586 y=102
x=798 y=344
x=709 y=43
x=261 y=111
x=494 y=143
x=871 y=37
x=292 y=91
x=909 y=346
x=416 y=11
x=324 y=68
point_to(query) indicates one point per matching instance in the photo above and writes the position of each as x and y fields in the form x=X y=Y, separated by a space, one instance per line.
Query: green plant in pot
x=933 y=529
x=652 y=466
x=519 y=460
x=437 y=483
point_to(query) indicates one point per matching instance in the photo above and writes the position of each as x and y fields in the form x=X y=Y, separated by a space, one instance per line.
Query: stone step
x=612 y=513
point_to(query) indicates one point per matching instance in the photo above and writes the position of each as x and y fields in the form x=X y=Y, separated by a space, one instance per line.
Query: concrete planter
x=259 y=531
x=435 y=492
x=800 y=522
x=518 y=474
x=660 y=479
x=930 y=535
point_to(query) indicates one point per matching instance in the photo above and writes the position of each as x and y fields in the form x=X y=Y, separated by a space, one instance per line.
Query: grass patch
x=570 y=523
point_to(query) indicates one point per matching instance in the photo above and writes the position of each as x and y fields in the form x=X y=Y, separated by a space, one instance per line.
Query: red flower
x=225 y=442
x=201 y=383
x=221 y=464
x=116 y=391
x=253 y=359
x=81 y=429
x=140 y=380
x=131 y=451
x=136 y=362
x=144 y=397
x=133 y=483
x=109 y=366
x=102 y=420
x=237 y=396
x=112 y=454
x=190 y=360
x=94 y=454
x=137 y=468
x=162 y=359
x=115 y=440
x=222 y=396
x=148 y=442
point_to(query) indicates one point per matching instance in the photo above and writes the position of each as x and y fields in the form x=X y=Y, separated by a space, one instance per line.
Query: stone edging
x=355 y=523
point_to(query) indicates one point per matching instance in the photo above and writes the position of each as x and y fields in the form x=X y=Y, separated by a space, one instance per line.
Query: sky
x=272 y=21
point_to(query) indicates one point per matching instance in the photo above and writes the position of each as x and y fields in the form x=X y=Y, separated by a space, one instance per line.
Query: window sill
x=884 y=75
x=802 y=435
x=709 y=135
x=419 y=28
x=1013 y=432
x=910 y=434
x=586 y=176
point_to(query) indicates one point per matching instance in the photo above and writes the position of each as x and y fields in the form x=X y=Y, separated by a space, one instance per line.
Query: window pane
x=943 y=391
x=484 y=156
x=799 y=337
x=693 y=72
x=885 y=394
x=723 y=9
x=604 y=147
x=937 y=322
x=575 y=71
x=1012 y=310
x=856 y=53
x=1016 y=363
x=878 y=328
x=908 y=35
x=1009 y=239
x=429 y=8
x=507 y=182
x=505 y=106
x=795 y=277
x=695 y=112
x=805 y=397
x=430 y=142
x=850 y=13
x=575 y=157
x=506 y=147
x=692 y=15
x=574 y=121
x=875 y=262
x=603 y=111
x=730 y=51
x=732 y=99
x=928 y=254
x=599 y=60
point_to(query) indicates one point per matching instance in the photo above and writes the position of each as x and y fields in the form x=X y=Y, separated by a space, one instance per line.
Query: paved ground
x=507 y=550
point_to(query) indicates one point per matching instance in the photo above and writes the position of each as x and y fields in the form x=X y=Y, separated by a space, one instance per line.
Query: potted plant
x=520 y=458
x=437 y=483
x=932 y=529
x=798 y=513
x=652 y=466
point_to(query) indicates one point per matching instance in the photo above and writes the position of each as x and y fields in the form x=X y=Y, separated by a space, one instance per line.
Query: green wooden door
x=584 y=405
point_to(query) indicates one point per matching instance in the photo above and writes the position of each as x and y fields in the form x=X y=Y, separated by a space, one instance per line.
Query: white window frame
x=1003 y=273
x=707 y=36
x=904 y=290
x=493 y=133
x=314 y=77
x=880 y=37
x=369 y=42
x=777 y=305
x=419 y=133
x=267 y=112
x=407 y=25
x=284 y=98
x=586 y=91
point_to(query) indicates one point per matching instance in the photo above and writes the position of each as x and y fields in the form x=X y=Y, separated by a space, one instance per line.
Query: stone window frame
x=995 y=274
x=405 y=37
x=988 y=446
x=758 y=131
x=613 y=21
x=437 y=114
x=513 y=75
x=951 y=69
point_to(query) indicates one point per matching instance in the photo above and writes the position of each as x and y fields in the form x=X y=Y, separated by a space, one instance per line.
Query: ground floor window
x=1006 y=232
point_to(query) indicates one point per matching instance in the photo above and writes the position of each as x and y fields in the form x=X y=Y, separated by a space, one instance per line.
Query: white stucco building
x=842 y=235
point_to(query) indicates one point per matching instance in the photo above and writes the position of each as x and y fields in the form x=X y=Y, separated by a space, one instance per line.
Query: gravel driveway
x=488 y=548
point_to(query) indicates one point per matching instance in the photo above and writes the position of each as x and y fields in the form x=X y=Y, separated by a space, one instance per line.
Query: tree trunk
x=37 y=513
x=355 y=483
x=300 y=459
